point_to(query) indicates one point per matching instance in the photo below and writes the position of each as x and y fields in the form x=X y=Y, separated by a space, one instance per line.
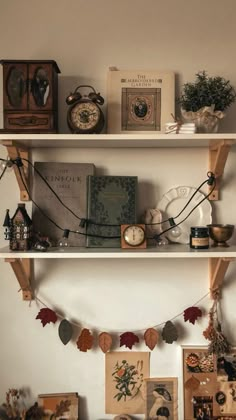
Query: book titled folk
x=69 y=181
x=111 y=201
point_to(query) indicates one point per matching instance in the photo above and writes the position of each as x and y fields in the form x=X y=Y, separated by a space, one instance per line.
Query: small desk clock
x=133 y=236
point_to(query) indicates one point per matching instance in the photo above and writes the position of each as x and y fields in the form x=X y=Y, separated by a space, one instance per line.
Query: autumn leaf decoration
x=151 y=338
x=128 y=339
x=85 y=340
x=46 y=316
x=169 y=332
x=105 y=341
x=192 y=313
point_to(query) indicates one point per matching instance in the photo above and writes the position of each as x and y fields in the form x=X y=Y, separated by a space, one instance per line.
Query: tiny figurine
x=18 y=229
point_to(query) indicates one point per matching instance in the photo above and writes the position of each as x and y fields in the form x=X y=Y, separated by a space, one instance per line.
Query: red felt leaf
x=192 y=313
x=128 y=339
x=47 y=315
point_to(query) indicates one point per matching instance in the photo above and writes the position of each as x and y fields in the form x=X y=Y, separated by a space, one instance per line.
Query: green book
x=112 y=200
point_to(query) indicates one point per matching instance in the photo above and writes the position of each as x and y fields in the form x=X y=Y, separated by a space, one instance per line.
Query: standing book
x=69 y=181
x=112 y=200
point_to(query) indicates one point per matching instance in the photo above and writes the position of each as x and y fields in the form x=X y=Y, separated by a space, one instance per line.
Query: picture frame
x=209 y=383
x=124 y=388
x=139 y=101
x=161 y=398
x=60 y=406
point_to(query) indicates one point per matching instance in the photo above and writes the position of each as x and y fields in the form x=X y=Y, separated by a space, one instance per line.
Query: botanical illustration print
x=161 y=399
x=125 y=373
x=128 y=378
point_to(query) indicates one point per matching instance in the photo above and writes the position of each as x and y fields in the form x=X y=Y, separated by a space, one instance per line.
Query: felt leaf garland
x=192 y=313
x=85 y=340
x=169 y=332
x=151 y=338
x=105 y=341
x=46 y=316
x=128 y=339
x=65 y=331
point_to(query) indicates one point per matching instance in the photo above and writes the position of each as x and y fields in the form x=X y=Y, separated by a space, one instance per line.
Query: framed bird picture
x=161 y=398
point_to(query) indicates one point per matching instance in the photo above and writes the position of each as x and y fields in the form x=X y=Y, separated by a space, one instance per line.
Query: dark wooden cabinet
x=30 y=96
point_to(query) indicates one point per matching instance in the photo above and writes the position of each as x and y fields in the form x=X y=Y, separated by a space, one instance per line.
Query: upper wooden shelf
x=114 y=140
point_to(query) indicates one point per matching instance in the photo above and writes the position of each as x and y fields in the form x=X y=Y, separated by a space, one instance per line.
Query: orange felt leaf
x=192 y=383
x=105 y=341
x=85 y=340
x=151 y=338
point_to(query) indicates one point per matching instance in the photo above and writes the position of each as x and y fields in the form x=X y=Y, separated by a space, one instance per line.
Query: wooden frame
x=60 y=406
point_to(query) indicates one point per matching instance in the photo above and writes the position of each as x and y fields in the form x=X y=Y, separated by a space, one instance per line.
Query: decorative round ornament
x=133 y=236
x=84 y=115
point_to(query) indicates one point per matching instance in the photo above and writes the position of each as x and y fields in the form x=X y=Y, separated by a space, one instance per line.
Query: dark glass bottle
x=199 y=237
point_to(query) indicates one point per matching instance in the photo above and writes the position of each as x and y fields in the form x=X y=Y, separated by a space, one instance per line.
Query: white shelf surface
x=115 y=140
x=169 y=251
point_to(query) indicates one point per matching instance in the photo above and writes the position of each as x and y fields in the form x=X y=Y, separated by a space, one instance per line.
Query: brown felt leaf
x=128 y=339
x=47 y=315
x=65 y=331
x=85 y=340
x=151 y=337
x=192 y=313
x=169 y=332
x=105 y=341
x=192 y=383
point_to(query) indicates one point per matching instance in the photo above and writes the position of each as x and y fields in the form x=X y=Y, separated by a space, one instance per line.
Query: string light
x=159 y=238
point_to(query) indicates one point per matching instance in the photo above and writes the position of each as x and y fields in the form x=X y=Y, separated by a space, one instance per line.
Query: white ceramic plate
x=174 y=201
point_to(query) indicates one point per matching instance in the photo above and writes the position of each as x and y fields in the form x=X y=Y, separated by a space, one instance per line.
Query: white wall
x=85 y=38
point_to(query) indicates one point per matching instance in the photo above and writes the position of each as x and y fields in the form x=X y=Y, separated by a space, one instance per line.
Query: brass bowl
x=220 y=234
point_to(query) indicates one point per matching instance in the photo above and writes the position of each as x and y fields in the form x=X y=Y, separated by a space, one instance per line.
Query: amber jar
x=199 y=237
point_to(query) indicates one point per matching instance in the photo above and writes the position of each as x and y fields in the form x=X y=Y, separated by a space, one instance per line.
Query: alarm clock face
x=134 y=235
x=85 y=116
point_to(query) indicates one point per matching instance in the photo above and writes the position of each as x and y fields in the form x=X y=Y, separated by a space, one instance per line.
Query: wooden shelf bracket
x=22 y=270
x=218 y=154
x=217 y=270
x=13 y=153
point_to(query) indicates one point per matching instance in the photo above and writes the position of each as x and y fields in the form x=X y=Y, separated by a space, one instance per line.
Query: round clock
x=84 y=115
x=133 y=236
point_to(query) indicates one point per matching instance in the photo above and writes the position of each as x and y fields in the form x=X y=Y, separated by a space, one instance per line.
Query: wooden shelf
x=114 y=140
x=168 y=251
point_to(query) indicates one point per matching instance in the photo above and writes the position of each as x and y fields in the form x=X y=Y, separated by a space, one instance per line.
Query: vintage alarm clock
x=84 y=115
x=133 y=236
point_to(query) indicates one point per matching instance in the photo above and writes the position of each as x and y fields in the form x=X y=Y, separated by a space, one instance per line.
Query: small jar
x=199 y=237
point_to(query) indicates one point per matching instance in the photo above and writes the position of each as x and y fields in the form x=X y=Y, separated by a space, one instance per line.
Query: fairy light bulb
x=176 y=230
x=64 y=241
x=6 y=165
x=161 y=240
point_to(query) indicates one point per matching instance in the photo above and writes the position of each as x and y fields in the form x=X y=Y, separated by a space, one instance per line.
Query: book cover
x=111 y=200
x=69 y=181
x=139 y=100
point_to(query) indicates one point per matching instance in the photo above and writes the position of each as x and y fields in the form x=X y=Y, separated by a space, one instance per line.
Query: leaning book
x=69 y=181
x=139 y=101
x=112 y=201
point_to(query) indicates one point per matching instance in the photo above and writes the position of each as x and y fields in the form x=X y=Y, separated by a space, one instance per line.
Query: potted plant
x=205 y=100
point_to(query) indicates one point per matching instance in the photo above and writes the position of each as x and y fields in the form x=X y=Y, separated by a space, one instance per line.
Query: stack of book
x=187 y=128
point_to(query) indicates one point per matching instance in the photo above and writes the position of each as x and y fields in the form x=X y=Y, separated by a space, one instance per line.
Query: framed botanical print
x=139 y=101
x=161 y=399
x=125 y=374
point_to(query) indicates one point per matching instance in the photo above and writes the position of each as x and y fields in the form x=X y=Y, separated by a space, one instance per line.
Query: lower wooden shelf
x=219 y=260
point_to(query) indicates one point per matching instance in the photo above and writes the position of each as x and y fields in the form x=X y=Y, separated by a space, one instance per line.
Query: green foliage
x=207 y=91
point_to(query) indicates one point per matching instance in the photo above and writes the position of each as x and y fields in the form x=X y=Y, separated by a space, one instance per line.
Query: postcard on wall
x=60 y=406
x=125 y=374
x=161 y=395
x=209 y=384
x=139 y=101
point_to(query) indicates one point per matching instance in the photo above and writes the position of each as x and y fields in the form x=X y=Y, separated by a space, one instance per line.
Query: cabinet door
x=40 y=87
x=15 y=86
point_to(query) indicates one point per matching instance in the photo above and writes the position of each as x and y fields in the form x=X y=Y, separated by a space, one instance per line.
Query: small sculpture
x=18 y=229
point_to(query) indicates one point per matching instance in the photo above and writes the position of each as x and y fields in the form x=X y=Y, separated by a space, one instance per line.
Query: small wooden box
x=30 y=96
x=60 y=406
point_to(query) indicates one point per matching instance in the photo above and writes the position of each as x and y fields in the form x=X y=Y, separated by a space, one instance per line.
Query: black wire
x=3 y=171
